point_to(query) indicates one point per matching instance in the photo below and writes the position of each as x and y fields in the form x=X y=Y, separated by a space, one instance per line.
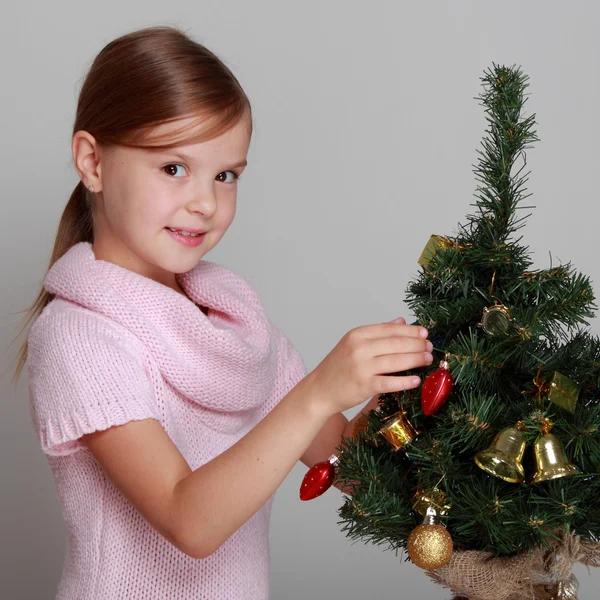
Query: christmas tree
x=488 y=475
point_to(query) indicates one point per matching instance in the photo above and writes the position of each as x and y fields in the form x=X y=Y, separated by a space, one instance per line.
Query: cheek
x=144 y=207
x=227 y=211
x=156 y=212
x=124 y=194
x=132 y=213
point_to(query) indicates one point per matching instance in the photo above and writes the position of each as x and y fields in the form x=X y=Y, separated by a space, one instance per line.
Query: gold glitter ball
x=430 y=546
x=361 y=426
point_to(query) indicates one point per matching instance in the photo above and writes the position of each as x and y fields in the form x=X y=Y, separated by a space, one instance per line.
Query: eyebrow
x=186 y=158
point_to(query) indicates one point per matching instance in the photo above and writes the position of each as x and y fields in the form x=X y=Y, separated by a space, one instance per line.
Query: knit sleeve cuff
x=85 y=374
x=60 y=436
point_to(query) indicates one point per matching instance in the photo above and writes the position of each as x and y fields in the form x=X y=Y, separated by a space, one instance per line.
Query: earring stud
x=91 y=188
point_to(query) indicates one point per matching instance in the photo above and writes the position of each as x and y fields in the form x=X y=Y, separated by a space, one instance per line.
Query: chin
x=180 y=266
x=173 y=259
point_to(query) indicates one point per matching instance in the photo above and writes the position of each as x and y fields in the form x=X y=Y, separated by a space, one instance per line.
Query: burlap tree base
x=538 y=575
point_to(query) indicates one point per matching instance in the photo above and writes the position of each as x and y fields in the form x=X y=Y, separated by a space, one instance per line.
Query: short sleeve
x=85 y=374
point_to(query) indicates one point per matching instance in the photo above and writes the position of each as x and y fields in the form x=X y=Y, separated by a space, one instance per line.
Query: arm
x=198 y=510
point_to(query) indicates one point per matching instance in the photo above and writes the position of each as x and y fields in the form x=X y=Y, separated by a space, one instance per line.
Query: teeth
x=186 y=233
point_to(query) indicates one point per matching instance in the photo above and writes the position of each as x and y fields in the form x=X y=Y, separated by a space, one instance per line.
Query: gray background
x=366 y=131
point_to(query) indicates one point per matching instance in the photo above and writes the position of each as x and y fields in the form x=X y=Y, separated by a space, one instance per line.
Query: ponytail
x=76 y=225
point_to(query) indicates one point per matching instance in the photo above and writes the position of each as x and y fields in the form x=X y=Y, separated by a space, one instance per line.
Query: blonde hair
x=145 y=78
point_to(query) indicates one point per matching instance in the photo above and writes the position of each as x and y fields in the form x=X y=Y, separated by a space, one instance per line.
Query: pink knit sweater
x=114 y=346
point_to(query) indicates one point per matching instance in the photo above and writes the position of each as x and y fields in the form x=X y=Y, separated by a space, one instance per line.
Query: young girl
x=169 y=407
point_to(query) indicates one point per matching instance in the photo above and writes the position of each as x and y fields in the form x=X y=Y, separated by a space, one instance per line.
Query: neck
x=116 y=252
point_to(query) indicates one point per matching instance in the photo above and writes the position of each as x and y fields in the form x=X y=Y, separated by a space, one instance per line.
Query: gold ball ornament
x=430 y=545
x=568 y=589
x=360 y=426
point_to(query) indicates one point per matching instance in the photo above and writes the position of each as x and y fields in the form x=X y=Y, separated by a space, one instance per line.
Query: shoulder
x=86 y=373
x=65 y=330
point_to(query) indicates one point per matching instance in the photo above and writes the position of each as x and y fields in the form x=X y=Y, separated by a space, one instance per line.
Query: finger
x=393 y=383
x=393 y=363
x=389 y=329
x=398 y=345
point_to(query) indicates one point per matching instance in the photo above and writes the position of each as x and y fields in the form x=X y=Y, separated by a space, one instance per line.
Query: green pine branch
x=499 y=379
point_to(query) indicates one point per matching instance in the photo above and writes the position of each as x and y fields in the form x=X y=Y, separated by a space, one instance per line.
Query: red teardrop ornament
x=436 y=389
x=318 y=479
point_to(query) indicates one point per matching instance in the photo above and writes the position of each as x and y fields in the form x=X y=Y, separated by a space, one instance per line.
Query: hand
x=357 y=367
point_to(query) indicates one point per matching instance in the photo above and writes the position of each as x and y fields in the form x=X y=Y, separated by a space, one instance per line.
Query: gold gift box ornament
x=435 y=243
x=563 y=392
x=434 y=497
x=560 y=390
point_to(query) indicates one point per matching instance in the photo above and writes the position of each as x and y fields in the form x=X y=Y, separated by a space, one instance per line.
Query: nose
x=203 y=202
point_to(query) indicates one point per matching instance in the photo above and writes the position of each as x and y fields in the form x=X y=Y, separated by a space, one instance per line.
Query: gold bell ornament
x=429 y=545
x=398 y=430
x=550 y=457
x=504 y=457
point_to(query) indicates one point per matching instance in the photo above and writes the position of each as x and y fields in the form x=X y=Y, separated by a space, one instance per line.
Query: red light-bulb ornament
x=318 y=478
x=436 y=389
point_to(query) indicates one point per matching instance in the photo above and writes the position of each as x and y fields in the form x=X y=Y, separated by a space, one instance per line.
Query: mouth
x=187 y=237
x=186 y=232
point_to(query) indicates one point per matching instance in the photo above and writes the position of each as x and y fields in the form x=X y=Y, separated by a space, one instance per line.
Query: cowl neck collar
x=225 y=360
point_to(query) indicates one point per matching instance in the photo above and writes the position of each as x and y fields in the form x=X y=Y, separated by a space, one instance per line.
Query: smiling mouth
x=185 y=232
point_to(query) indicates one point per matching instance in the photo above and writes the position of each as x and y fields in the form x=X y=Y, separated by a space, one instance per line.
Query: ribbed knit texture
x=114 y=346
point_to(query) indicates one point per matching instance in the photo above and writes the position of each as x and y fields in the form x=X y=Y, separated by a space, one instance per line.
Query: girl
x=169 y=407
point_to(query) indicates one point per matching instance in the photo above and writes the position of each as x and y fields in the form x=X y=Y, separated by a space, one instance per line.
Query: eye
x=224 y=177
x=171 y=169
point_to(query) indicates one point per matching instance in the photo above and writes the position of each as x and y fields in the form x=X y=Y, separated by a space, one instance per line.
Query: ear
x=86 y=158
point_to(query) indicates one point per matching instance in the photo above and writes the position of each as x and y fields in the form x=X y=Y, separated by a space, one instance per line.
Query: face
x=159 y=212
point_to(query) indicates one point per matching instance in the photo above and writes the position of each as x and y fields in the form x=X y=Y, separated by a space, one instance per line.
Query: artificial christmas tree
x=495 y=489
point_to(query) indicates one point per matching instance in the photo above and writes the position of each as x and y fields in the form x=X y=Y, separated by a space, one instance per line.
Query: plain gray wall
x=366 y=131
